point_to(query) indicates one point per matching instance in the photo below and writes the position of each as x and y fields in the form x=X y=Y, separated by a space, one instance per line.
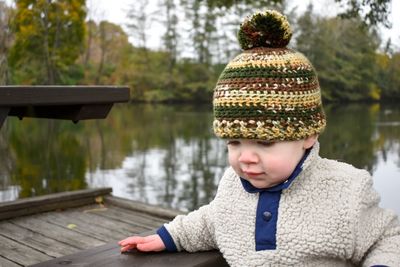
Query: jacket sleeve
x=194 y=231
x=377 y=231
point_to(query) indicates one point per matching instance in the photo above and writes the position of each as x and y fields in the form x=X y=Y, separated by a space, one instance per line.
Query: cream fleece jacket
x=329 y=216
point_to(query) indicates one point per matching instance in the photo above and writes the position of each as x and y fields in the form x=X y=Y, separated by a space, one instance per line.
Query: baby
x=280 y=203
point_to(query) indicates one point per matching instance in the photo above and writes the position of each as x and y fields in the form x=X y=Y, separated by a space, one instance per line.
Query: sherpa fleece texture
x=329 y=216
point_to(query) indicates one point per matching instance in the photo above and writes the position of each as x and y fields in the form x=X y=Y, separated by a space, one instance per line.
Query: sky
x=115 y=11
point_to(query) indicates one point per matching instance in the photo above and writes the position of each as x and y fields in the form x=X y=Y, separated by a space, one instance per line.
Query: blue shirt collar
x=251 y=189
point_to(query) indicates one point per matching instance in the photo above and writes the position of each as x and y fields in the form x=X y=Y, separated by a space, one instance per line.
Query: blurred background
x=160 y=148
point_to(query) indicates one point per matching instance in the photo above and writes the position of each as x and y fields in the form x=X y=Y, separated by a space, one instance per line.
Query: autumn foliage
x=54 y=42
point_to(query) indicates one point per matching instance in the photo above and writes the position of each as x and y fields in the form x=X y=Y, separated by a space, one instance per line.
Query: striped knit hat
x=268 y=92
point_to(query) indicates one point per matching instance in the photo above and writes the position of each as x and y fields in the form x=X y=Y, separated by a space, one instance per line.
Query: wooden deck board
x=20 y=253
x=45 y=238
x=138 y=216
x=35 y=241
x=93 y=217
x=80 y=227
x=46 y=235
x=6 y=263
x=142 y=207
x=121 y=215
x=58 y=233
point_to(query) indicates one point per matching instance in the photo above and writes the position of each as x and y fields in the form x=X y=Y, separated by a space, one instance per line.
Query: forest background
x=56 y=42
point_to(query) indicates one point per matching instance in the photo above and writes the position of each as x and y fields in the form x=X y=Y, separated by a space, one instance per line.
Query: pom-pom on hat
x=267 y=92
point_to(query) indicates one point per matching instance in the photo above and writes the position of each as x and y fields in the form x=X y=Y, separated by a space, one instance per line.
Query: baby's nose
x=248 y=156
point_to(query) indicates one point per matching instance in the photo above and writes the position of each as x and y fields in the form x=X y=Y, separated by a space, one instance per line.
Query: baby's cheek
x=282 y=167
x=234 y=164
x=232 y=161
x=237 y=170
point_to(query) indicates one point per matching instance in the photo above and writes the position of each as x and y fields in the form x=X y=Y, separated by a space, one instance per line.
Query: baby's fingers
x=155 y=244
x=133 y=240
x=128 y=247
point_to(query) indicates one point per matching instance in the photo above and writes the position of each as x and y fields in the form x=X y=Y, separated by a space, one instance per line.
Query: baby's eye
x=265 y=143
x=233 y=142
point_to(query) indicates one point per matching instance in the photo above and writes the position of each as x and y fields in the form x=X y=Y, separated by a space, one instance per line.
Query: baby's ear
x=310 y=141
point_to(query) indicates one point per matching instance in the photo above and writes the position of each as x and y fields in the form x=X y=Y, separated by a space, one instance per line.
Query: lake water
x=167 y=154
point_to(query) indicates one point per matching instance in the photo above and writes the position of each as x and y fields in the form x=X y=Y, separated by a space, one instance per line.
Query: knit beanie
x=267 y=92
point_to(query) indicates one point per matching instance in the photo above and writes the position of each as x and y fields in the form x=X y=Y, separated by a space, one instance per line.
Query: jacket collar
x=309 y=156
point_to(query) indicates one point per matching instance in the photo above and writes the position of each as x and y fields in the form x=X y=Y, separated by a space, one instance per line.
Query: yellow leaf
x=99 y=200
x=71 y=226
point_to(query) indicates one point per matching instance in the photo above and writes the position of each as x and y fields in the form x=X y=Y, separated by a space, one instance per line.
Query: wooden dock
x=81 y=228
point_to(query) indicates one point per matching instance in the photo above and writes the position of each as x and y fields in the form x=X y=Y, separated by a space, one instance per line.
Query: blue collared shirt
x=267 y=208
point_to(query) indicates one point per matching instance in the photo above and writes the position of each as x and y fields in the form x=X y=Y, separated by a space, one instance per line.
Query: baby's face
x=265 y=164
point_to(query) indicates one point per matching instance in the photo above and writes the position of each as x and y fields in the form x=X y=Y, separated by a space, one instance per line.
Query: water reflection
x=167 y=155
x=41 y=158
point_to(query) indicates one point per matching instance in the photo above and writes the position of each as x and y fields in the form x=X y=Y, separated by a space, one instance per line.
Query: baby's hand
x=147 y=243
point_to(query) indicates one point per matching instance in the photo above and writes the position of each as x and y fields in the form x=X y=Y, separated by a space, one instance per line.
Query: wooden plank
x=36 y=241
x=66 y=112
x=88 y=229
x=140 y=215
x=6 y=263
x=61 y=95
x=58 y=233
x=62 y=200
x=125 y=219
x=20 y=253
x=93 y=111
x=153 y=210
x=109 y=255
x=132 y=217
x=60 y=102
x=48 y=207
x=57 y=197
x=110 y=223
x=115 y=227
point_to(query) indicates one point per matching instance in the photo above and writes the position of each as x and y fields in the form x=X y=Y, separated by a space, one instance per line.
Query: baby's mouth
x=252 y=174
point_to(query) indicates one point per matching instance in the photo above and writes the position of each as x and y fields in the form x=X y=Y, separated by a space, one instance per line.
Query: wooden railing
x=60 y=102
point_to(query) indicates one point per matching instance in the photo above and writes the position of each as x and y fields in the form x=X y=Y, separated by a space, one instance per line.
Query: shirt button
x=267 y=216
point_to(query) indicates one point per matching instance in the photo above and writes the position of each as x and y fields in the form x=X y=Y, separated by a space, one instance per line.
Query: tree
x=106 y=41
x=202 y=19
x=171 y=35
x=139 y=22
x=90 y=35
x=372 y=12
x=388 y=77
x=343 y=53
x=167 y=15
x=108 y=46
x=5 y=42
x=214 y=25
x=48 y=40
